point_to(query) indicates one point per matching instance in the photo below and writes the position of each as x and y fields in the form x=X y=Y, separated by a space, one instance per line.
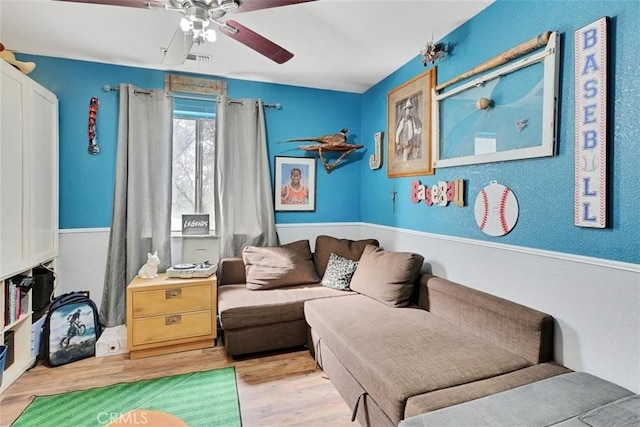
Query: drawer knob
x=173 y=319
x=173 y=293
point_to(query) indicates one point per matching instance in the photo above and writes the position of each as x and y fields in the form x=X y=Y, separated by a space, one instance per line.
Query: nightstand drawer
x=171 y=300
x=171 y=327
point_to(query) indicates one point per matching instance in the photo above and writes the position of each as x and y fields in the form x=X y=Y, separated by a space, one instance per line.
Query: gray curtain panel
x=142 y=198
x=243 y=194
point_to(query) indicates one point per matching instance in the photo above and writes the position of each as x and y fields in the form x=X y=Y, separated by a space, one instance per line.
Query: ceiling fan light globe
x=185 y=25
x=210 y=35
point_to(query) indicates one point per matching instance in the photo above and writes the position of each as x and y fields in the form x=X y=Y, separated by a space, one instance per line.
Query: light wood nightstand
x=167 y=315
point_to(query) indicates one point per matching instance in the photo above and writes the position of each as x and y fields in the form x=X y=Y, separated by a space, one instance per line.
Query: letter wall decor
x=591 y=125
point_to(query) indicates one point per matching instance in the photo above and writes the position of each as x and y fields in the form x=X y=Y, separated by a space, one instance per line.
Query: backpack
x=70 y=330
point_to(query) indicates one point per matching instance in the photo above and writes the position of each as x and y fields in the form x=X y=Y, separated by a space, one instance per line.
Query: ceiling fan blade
x=256 y=42
x=144 y=4
x=249 y=5
x=179 y=48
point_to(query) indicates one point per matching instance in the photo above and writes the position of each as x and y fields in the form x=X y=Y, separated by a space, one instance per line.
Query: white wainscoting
x=596 y=302
x=82 y=261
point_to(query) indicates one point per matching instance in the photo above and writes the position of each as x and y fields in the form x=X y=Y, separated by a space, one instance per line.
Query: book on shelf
x=12 y=302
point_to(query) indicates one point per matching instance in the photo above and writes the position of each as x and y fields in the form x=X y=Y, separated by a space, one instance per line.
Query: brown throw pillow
x=278 y=266
x=388 y=277
x=349 y=249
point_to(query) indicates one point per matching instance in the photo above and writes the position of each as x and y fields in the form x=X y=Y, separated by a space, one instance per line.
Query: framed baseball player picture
x=295 y=184
x=409 y=127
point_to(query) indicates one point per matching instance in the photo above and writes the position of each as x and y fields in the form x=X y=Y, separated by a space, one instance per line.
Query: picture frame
x=409 y=117
x=287 y=198
x=520 y=88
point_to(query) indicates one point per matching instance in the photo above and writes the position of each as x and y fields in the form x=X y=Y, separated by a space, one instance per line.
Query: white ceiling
x=347 y=45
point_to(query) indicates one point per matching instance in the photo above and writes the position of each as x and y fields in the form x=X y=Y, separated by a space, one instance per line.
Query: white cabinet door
x=13 y=228
x=43 y=171
x=28 y=172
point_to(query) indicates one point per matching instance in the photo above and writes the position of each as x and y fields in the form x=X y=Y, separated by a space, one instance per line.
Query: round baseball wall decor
x=496 y=209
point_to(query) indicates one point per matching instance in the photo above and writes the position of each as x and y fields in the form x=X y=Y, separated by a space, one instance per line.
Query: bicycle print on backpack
x=72 y=328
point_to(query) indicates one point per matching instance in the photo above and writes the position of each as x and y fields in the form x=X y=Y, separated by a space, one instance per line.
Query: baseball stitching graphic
x=496 y=209
x=589 y=162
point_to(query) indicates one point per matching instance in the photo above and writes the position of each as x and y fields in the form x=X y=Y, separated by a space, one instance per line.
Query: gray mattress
x=575 y=399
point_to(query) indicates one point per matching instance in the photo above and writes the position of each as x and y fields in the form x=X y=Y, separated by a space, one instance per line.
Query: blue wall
x=86 y=182
x=545 y=186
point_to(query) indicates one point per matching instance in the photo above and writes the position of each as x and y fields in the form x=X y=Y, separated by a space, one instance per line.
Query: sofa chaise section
x=397 y=353
x=389 y=363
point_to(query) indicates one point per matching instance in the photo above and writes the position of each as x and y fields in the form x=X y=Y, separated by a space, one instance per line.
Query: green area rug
x=208 y=398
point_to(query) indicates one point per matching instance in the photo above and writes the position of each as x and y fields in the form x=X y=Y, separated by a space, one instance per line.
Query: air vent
x=199 y=58
x=191 y=56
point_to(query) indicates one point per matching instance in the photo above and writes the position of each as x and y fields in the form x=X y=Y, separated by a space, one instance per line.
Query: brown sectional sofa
x=404 y=344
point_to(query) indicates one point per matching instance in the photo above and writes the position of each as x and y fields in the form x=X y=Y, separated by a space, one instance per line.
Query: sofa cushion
x=339 y=272
x=350 y=249
x=388 y=277
x=396 y=353
x=240 y=307
x=278 y=266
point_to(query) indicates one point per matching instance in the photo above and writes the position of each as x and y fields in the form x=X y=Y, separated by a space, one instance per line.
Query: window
x=193 y=160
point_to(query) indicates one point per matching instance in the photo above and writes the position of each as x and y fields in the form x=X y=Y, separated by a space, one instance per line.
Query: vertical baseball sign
x=591 y=125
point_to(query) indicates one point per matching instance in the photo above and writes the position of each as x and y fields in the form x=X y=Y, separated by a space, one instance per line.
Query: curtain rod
x=216 y=98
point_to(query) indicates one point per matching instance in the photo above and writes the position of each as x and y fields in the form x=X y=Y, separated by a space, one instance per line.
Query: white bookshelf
x=21 y=330
x=28 y=200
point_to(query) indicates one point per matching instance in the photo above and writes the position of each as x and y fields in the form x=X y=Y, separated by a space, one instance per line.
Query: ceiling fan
x=199 y=14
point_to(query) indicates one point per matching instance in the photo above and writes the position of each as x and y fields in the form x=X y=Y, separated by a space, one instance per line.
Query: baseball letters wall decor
x=375 y=160
x=439 y=194
x=591 y=125
x=496 y=209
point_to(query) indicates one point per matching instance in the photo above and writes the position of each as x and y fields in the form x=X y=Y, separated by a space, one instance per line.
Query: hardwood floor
x=283 y=389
